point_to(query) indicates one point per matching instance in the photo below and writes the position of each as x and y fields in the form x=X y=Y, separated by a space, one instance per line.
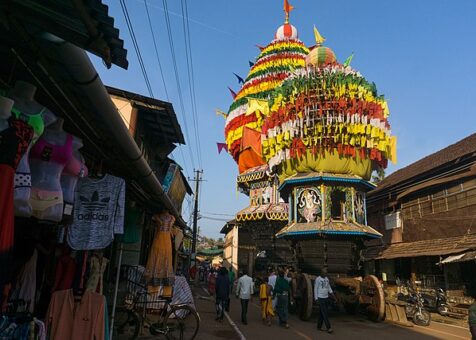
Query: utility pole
x=195 y=210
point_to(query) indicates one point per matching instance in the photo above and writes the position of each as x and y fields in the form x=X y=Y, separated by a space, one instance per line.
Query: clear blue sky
x=420 y=54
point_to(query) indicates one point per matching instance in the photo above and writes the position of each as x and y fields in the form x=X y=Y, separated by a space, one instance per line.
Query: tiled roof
x=86 y=24
x=328 y=228
x=434 y=247
x=451 y=153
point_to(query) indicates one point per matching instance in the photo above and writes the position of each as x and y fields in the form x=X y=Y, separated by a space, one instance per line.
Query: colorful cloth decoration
x=302 y=111
x=274 y=64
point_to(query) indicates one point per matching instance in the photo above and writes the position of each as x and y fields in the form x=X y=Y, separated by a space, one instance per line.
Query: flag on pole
x=287 y=9
x=348 y=60
x=233 y=93
x=240 y=80
x=319 y=38
x=220 y=113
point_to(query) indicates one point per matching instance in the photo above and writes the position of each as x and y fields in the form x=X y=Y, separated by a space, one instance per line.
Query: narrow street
x=345 y=326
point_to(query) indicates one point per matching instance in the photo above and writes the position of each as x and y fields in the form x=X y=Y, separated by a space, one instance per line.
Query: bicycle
x=178 y=321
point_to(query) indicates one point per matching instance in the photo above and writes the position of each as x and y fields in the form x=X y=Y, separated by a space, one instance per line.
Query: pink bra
x=75 y=167
x=47 y=152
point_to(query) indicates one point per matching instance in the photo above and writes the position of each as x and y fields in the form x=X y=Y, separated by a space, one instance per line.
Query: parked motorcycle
x=415 y=308
x=437 y=302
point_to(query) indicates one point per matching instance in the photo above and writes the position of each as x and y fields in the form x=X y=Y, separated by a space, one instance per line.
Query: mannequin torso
x=26 y=108
x=47 y=160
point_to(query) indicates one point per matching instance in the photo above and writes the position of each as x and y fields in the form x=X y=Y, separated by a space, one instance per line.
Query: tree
x=378 y=176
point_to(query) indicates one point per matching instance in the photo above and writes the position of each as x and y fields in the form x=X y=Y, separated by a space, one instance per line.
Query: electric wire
x=177 y=79
x=191 y=77
x=217 y=214
x=154 y=40
x=213 y=218
x=136 y=46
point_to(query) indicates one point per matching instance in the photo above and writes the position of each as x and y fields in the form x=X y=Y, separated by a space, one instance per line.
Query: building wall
x=445 y=211
x=230 y=251
x=127 y=112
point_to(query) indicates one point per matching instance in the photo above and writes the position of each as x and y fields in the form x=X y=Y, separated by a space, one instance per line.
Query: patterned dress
x=159 y=271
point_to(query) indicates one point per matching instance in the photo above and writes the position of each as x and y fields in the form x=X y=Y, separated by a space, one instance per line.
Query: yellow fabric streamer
x=257 y=105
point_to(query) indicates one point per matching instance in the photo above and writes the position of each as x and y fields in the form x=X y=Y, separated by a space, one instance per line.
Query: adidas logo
x=94 y=204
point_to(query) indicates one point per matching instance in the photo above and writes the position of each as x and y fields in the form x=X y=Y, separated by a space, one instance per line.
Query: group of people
x=274 y=295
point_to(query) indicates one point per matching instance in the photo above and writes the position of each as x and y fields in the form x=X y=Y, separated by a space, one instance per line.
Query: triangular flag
x=221 y=146
x=260 y=47
x=220 y=113
x=233 y=93
x=319 y=38
x=251 y=63
x=348 y=60
x=240 y=80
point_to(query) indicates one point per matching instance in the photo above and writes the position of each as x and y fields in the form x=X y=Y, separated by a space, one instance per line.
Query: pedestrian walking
x=231 y=277
x=266 y=299
x=281 y=291
x=222 y=292
x=272 y=281
x=244 y=290
x=472 y=312
x=322 y=291
x=211 y=280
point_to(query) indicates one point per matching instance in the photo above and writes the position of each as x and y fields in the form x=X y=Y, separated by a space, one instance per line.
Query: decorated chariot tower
x=320 y=129
x=266 y=213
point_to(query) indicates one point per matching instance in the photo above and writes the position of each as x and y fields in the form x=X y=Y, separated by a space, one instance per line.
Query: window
x=337 y=204
x=393 y=221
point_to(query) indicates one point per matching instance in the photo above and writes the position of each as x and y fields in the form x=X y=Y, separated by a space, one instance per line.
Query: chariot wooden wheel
x=305 y=301
x=372 y=295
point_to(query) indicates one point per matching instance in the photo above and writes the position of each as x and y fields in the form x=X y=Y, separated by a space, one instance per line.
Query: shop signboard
x=174 y=186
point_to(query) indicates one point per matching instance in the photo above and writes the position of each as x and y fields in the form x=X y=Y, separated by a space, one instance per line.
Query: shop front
x=75 y=188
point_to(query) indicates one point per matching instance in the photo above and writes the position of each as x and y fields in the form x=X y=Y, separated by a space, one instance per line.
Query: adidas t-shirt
x=98 y=212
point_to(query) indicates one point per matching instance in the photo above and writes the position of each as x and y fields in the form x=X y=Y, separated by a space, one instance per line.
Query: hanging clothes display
x=65 y=271
x=98 y=213
x=68 y=319
x=14 y=142
x=98 y=265
x=159 y=269
x=25 y=288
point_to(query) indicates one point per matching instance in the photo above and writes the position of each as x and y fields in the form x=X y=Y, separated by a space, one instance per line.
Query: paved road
x=345 y=327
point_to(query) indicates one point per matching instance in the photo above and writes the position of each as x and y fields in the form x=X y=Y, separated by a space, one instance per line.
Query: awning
x=468 y=256
x=86 y=24
x=435 y=247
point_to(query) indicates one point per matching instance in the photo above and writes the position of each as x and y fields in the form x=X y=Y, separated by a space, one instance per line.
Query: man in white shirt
x=322 y=291
x=244 y=290
x=272 y=281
